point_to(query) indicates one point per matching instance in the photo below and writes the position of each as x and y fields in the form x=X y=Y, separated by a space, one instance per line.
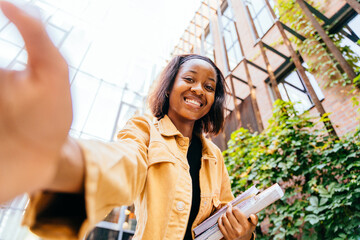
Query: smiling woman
x=174 y=183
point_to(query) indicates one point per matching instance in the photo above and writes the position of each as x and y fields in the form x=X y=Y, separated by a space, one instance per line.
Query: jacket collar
x=167 y=128
x=208 y=149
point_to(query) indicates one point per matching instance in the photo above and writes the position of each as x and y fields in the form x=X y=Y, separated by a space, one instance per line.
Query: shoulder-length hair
x=213 y=121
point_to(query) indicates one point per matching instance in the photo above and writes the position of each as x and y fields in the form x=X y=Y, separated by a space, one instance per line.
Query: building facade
x=245 y=38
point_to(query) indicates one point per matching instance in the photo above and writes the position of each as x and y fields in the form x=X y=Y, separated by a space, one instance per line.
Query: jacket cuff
x=55 y=215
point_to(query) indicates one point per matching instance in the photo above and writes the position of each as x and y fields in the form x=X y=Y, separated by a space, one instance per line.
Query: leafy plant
x=319 y=59
x=320 y=176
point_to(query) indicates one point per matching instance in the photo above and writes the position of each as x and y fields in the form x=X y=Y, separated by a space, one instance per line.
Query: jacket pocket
x=159 y=153
x=160 y=160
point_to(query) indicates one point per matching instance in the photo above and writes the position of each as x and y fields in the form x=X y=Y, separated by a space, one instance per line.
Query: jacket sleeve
x=115 y=175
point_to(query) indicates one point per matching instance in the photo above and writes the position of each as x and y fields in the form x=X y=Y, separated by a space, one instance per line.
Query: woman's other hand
x=35 y=110
x=233 y=224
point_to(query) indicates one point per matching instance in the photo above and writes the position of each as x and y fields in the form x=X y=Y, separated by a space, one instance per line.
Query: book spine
x=216 y=236
x=213 y=231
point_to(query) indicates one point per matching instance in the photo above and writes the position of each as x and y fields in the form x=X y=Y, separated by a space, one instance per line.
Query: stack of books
x=249 y=202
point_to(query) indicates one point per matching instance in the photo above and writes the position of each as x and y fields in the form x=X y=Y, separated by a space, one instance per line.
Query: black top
x=194 y=159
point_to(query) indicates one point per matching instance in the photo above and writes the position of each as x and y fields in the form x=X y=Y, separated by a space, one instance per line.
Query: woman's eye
x=189 y=79
x=209 y=88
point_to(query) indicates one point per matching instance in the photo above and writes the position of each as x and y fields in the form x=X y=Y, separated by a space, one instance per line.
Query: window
x=292 y=88
x=261 y=15
x=209 y=45
x=231 y=40
x=348 y=38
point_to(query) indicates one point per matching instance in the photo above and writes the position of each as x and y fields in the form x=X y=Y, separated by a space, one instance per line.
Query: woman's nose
x=197 y=89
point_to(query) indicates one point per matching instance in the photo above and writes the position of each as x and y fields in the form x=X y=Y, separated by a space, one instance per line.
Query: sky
x=141 y=29
x=125 y=30
x=145 y=31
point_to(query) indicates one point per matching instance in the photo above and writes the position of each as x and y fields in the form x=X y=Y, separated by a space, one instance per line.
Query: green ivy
x=320 y=176
x=321 y=60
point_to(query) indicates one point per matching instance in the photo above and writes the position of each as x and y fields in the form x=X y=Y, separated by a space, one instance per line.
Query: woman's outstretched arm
x=70 y=171
x=35 y=117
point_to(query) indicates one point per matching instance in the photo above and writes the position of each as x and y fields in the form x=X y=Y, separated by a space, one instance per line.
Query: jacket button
x=181 y=142
x=180 y=205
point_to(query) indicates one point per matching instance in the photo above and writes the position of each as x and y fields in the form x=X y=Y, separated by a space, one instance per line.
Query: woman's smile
x=194 y=101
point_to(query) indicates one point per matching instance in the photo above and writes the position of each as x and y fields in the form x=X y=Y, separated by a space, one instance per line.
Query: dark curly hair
x=213 y=121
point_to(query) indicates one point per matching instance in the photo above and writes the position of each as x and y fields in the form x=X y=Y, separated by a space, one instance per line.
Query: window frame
x=209 y=46
x=232 y=32
x=281 y=79
x=257 y=22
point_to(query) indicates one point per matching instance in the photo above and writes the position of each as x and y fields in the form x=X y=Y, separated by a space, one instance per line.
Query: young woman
x=174 y=175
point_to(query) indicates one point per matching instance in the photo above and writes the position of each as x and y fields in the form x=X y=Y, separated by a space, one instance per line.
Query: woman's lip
x=197 y=100
x=193 y=105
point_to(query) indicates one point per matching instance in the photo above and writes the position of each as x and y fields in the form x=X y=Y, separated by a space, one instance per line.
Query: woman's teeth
x=193 y=102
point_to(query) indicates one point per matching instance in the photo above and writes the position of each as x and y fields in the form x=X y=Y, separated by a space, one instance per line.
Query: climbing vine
x=319 y=60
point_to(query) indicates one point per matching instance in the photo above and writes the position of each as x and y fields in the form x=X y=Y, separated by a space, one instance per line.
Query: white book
x=250 y=206
x=213 y=218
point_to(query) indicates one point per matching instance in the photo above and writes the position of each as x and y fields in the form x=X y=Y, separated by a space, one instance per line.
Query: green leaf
x=323 y=201
x=314 y=201
x=312 y=219
x=322 y=191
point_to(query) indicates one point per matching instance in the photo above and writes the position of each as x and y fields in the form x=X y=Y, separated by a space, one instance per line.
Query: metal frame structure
x=301 y=70
x=331 y=46
x=354 y=4
x=211 y=9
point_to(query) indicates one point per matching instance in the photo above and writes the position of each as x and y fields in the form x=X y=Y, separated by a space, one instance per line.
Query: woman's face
x=193 y=92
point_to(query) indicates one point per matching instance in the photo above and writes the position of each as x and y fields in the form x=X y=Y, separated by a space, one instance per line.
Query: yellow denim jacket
x=147 y=166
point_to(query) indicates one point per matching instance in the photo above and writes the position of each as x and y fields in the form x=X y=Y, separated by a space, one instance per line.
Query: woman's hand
x=35 y=110
x=233 y=224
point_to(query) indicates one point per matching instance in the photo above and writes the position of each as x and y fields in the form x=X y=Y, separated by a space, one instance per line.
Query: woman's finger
x=226 y=222
x=232 y=218
x=33 y=32
x=254 y=219
x=222 y=228
x=241 y=218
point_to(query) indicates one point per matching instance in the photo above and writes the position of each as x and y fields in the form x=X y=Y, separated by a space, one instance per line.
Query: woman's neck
x=185 y=127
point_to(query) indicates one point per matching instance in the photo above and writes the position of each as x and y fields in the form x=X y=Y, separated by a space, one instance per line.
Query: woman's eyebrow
x=210 y=78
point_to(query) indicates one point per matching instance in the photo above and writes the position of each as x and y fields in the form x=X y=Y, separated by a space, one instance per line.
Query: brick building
x=234 y=32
